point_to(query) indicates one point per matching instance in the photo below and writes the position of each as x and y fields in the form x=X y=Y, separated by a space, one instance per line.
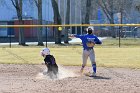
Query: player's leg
x=49 y=68
x=84 y=59
x=55 y=69
x=93 y=62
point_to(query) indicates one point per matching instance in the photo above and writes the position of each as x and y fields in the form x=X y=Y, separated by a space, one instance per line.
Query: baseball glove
x=90 y=44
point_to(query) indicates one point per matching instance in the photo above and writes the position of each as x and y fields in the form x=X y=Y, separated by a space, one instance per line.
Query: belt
x=88 y=49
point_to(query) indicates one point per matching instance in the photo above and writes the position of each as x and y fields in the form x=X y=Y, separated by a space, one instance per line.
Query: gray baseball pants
x=88 y=53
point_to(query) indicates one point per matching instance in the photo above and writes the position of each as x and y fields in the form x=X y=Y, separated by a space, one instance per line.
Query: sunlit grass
x=124 y=42
x=107 y=43
x=107 y=57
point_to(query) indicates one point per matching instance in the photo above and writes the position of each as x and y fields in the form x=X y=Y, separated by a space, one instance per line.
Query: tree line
x=88 y=7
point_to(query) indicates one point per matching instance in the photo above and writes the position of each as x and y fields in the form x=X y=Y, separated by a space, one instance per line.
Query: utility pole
x=121 y=21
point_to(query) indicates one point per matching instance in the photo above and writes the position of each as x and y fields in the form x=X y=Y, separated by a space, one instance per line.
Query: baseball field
x=118 y=70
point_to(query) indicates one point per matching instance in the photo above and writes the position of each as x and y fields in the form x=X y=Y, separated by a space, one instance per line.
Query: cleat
x=92 y=75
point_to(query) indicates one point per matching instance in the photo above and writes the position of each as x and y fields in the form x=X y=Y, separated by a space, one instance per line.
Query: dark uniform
x=51 y=64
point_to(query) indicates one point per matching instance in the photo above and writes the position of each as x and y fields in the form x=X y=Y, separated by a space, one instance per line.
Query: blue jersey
x=88 y=38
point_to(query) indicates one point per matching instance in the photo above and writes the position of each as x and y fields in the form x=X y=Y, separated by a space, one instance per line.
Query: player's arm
x=97 y=41
x=77 y=36
x=47 y=61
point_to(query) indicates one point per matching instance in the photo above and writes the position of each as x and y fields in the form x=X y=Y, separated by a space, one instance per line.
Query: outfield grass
x=107 y=43
x=124 y=42
x=106 y=57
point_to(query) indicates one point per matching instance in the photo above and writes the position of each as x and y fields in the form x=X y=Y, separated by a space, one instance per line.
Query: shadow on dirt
x=101 y=77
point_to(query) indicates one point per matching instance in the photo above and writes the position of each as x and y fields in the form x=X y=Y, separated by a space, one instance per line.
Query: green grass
x=106 y=57
x=107 y=43
x=124 y=42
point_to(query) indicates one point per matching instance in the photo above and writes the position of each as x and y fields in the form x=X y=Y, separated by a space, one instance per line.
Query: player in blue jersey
x=88 y=41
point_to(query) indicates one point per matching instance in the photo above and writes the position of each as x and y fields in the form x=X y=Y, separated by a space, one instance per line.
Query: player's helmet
x=45 y=51
x=89 y=31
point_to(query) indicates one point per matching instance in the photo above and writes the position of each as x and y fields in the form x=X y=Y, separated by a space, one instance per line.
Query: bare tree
x=88 y=8
x=57 y=20
x=1 y=2
x=107 y=7
x=18 y=6
x=110 y=7
x=137 y=6
x=39 y=32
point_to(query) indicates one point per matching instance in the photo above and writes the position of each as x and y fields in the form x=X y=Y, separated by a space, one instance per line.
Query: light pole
x=65 y=10
x=81 y=16
x=47 y=23
x=121 y=21
x=70 y=18
x=75 y=16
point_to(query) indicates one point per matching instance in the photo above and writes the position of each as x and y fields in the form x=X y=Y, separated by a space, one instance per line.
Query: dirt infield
x=29 y=79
